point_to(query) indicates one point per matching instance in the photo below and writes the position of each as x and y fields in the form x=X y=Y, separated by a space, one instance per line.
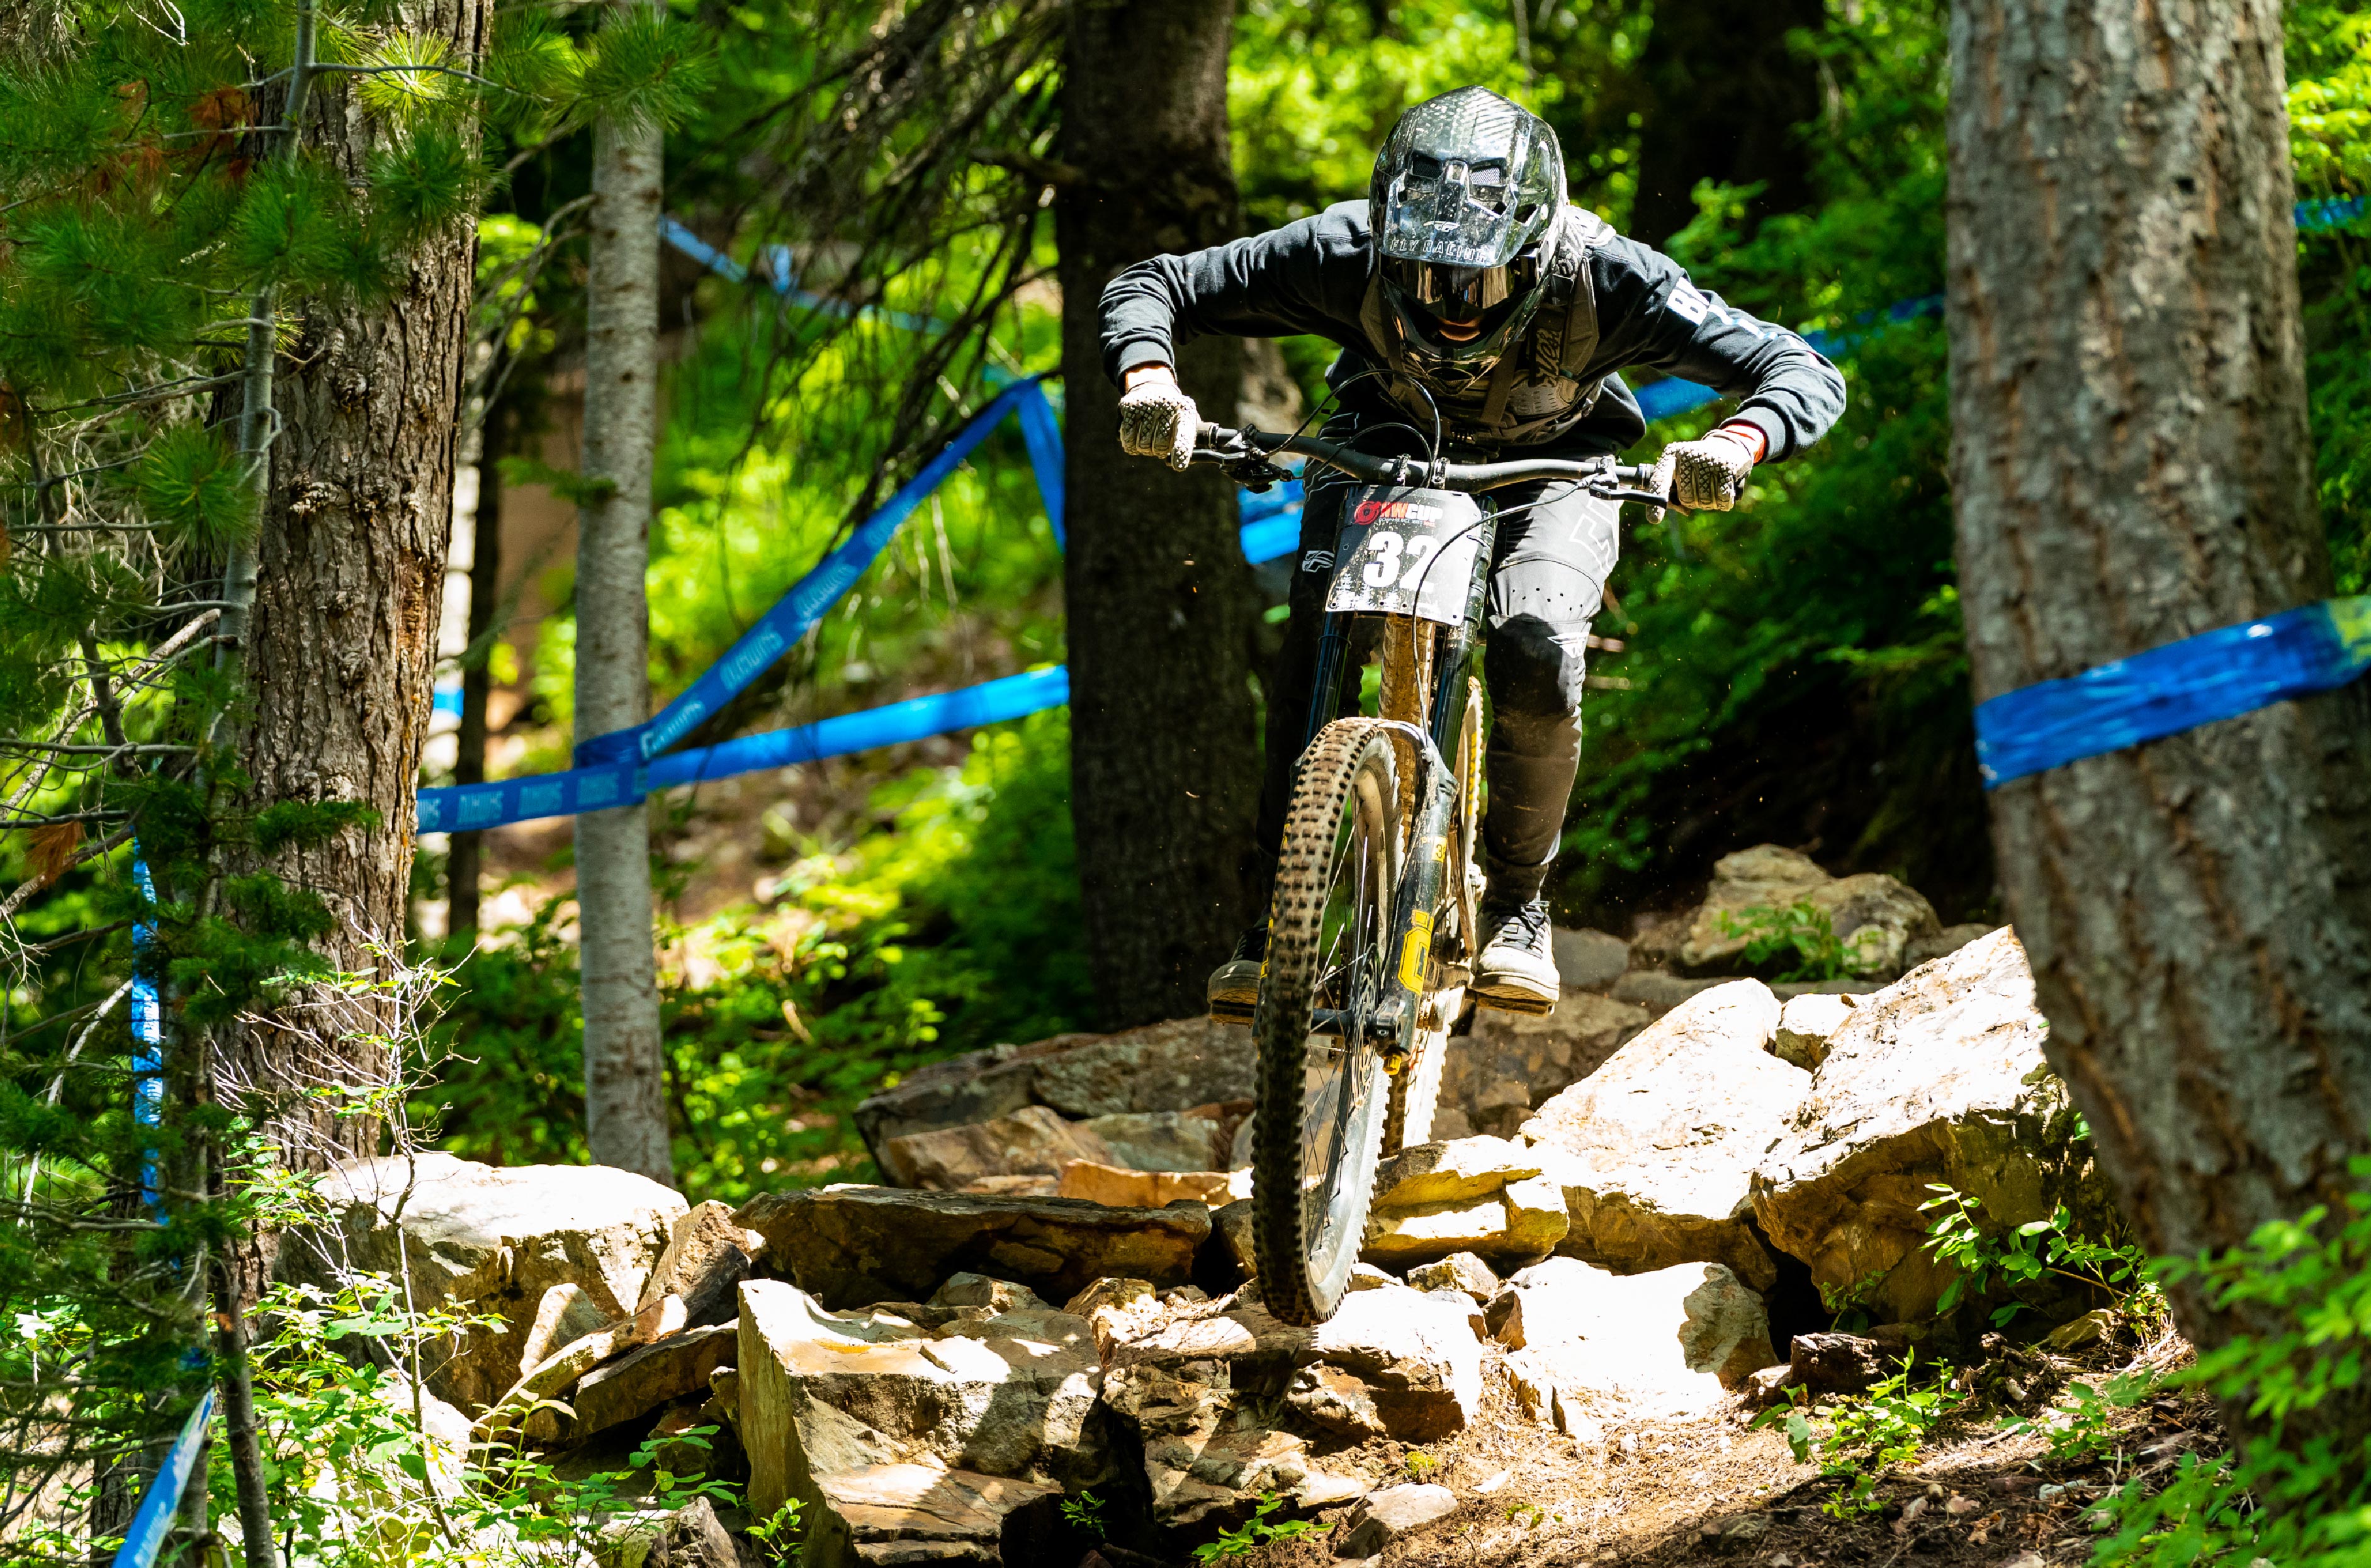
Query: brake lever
x=1255 y=473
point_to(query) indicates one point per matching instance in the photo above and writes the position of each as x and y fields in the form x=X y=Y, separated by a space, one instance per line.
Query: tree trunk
x=350 y=580
x=1164 y=762
x=465 y=861
x=2131 y=466
x=1728 y=95
x=625 y=1088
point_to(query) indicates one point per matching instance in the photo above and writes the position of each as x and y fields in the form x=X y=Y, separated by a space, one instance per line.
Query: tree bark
x=1728 y=95
x=625 y=1087
x=2131 y=466
x=1164 y=763
x=465 y=861
x=350 y=578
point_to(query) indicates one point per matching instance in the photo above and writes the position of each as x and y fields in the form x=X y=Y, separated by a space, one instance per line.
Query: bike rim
x=1343 y=1099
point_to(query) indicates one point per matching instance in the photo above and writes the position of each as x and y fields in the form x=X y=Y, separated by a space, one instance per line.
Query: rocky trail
x=1639 y=1224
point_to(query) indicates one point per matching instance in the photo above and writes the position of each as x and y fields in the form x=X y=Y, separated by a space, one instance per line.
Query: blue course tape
x=588 y=789
x=803 y=606
x=990 y=702
x=147 y=1035
x=2328 y=212
x=2217 y=675
x=153 y=1520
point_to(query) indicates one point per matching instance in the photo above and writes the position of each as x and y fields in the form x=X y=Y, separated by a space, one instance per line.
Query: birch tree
x=625 y=1088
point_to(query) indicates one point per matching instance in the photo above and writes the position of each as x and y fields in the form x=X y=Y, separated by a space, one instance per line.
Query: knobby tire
x=1340 y=850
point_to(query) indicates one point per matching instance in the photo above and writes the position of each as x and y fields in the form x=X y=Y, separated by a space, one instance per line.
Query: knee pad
x=1537 y=668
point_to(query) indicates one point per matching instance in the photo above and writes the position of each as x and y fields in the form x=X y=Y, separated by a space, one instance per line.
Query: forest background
x=1794 y=671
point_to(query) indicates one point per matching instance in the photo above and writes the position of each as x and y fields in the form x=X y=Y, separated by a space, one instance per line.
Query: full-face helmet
x=1465 y=196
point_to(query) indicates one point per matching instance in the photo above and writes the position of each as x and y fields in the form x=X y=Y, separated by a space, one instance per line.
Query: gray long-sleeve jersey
x=1312 y=276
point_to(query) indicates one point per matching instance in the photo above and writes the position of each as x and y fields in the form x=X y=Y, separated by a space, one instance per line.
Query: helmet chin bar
x=1466 y=189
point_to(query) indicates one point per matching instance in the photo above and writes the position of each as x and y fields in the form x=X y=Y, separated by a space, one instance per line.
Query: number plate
x=1407 y=551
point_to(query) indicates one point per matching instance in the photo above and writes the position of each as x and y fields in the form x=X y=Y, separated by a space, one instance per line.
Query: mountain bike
x=1372 y=928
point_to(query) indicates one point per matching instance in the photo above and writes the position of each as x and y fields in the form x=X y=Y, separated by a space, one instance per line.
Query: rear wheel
x=1318 y=1128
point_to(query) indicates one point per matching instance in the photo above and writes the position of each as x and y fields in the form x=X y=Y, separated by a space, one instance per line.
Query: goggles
x=1461 y=294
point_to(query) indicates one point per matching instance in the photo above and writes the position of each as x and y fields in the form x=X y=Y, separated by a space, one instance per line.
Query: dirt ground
x=1717 y=1488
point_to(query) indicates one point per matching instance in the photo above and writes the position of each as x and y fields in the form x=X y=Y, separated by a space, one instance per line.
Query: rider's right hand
x=1156 y=418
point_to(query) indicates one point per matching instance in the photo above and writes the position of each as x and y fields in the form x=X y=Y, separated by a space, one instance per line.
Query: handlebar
x=1247 y=455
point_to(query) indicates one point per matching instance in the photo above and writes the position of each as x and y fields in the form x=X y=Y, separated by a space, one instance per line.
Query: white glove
x=1707 y=475
x=1157 y=420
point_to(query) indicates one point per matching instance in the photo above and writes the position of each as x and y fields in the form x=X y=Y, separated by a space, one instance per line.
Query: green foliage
x=775 y=1535
x=1801 y=930
x=1085 y=1512
x=355 y=1477
x=2080 y=1425
x=1796 y=668
x=2296 y=1489
x=2023 y=1254
x=2329 y=140
x=1861 y=1438
x=1255 y=1532
x=956 y=927
x=191 y=482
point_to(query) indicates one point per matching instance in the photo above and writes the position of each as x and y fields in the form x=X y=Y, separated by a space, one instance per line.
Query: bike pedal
x=1232 y=1012
x=1535 y=1006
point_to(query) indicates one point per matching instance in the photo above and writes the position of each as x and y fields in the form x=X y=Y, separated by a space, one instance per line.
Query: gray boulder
x=1177 y=1065
x=1876 y=917
x=849 y=1246
x=489 y=1241
x=1382 y=1517
x=1587 y=960
x=1937 y=1078
x=1032 y=1141
x=1514 y=1062
x=1654 y=1152
x=1165 y=1140
x=706 y=1259
x=644 y=1378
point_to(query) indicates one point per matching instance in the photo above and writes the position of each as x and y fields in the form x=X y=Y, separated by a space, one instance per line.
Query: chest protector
x=1534 y=393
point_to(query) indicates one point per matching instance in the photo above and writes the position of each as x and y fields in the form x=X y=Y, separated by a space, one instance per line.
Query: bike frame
x=1247 y=455
x=1418 y=893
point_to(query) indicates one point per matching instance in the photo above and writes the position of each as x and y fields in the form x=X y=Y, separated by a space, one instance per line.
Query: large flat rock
x=489 y=1240
x=1937 y=1078
x=1514 y=1062
x=1032 y=1141
x=1488 y=1196
x=851 y=1246
x=888 y=1430
x=1201 y=1393
x=1182 y=1065
x=1657 y=1147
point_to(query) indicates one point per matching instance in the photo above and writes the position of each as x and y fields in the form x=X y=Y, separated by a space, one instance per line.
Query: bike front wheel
x=1318 y=1128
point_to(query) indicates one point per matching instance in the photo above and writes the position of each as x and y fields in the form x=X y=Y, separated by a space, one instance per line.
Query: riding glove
x=1705 y=476
x=1157 y=420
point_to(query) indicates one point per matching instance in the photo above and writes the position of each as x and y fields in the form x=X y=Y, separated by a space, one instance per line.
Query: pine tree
x=181 y=203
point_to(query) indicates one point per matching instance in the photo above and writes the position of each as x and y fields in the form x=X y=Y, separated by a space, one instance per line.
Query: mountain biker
x=1469 y=297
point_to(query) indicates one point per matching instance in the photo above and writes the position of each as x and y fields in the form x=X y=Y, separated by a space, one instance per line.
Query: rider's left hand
x=1708 y=475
